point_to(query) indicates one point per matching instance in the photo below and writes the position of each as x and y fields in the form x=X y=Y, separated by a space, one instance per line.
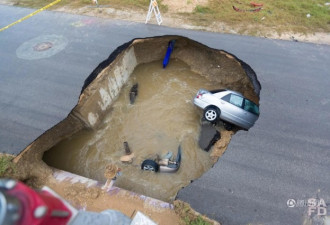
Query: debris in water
x=128 y=158
x=110 y=173
x=133 y=93
x=165 y=165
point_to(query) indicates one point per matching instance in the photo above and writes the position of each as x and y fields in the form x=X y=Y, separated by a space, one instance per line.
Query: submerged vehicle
x=229 y=106
x=165 y=164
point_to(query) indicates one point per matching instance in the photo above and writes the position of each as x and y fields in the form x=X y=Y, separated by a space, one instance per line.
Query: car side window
x=226 y=97
x=251 y=107
x=234 y=99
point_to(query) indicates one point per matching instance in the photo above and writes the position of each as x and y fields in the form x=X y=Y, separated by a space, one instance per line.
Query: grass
x=276 y=15
x=202 y=9
x=281 y=14
x=5 y=164
x=197 y=221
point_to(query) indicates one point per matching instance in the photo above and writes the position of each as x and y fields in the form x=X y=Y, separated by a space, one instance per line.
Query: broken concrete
x=208 y=136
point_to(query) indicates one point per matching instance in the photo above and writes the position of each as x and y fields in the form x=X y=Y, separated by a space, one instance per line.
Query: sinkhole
x=161 y=118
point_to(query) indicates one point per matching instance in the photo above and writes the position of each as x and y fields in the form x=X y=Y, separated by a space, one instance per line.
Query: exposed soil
x=96 y=200
x=173 y=18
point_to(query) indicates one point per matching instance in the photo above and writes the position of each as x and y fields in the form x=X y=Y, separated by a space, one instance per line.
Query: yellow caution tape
x=30 y=15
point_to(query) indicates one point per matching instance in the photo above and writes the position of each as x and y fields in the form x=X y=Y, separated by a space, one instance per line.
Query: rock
x=127 y=158
x=111 y=171
x=133 y=93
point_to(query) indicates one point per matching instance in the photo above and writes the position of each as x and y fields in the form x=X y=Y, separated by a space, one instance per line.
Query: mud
x=162 y=118
x=104 y=87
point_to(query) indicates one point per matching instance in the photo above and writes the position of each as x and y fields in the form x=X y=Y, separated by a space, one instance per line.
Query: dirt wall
x=95 y=101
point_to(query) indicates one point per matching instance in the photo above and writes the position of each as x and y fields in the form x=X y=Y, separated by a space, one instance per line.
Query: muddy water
x=162 y=118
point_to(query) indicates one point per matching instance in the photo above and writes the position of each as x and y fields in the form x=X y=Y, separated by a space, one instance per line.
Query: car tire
x=228 y=126
x=211 y=114
x=150 y=165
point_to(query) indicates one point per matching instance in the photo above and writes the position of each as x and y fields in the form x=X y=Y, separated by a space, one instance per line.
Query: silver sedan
x=229 y=106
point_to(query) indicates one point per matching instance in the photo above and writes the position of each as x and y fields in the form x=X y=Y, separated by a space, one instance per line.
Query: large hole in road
x=161 y=118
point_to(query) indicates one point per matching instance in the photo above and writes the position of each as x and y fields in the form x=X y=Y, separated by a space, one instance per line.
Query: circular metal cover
x=41 y=47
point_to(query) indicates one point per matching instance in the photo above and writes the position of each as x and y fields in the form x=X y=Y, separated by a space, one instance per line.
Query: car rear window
x=251 y=107
x=217 y=91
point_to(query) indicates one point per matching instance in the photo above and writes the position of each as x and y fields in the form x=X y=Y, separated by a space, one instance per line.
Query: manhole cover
x=43 y=46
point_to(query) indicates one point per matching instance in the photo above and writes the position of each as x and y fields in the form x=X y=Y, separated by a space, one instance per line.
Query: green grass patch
x=6 y=164
x=197 y=221
x=282 y=14
x=202 y=9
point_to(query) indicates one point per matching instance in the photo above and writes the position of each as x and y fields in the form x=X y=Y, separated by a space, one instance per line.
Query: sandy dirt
x=96 y=200
x=172 y=18
x=183 y=6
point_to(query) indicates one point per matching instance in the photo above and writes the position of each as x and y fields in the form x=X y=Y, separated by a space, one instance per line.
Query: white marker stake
x=153 y=8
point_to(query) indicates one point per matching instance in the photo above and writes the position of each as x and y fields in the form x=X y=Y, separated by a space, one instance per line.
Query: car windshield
x=251 y=107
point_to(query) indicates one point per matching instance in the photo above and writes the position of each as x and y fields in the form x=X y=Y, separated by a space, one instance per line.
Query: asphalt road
x=286 y=155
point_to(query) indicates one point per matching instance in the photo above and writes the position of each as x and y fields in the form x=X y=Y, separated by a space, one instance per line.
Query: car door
x=231 y=109
x=252 y=111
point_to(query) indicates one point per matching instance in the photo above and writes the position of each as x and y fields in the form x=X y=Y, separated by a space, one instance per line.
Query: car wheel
x=150 y=165
x=211 y=114
x=228 y=126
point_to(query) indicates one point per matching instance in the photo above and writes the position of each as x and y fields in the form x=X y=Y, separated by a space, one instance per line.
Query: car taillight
x=199 y=95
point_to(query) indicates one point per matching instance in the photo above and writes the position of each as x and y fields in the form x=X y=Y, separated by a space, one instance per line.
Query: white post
x=153 y=8
x=96 y=3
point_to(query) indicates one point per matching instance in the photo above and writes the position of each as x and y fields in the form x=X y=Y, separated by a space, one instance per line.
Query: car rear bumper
x=200 y=103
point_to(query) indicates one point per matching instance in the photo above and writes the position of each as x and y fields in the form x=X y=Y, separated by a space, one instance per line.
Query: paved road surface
x=286 y=155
